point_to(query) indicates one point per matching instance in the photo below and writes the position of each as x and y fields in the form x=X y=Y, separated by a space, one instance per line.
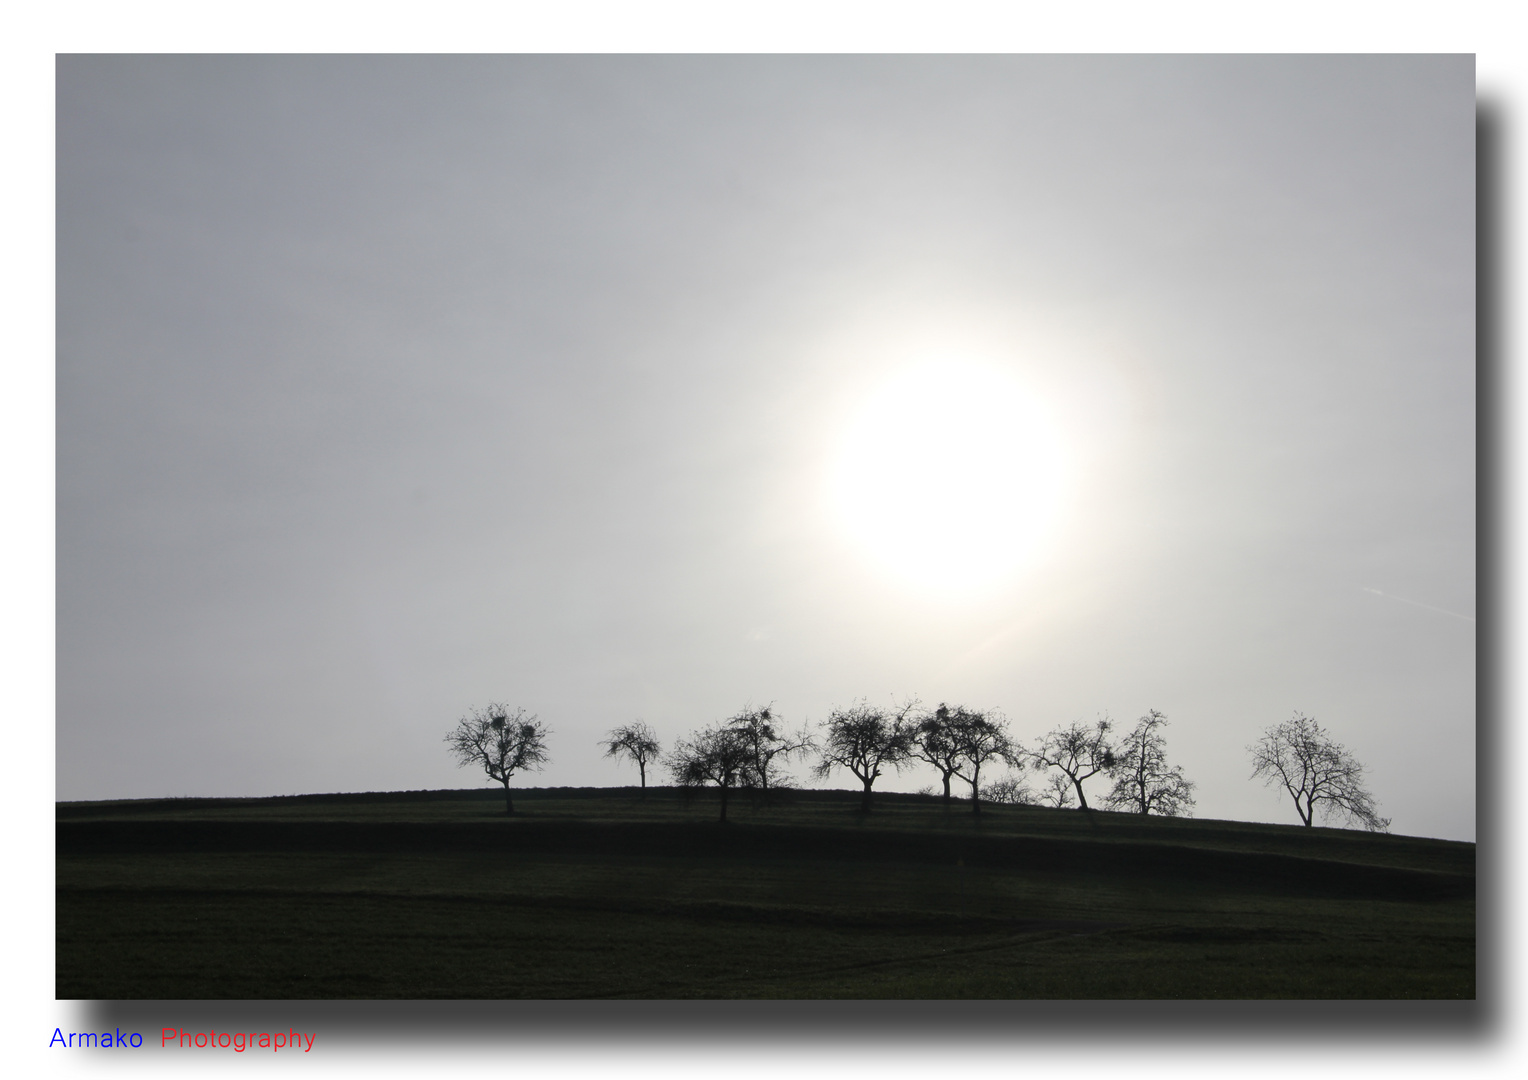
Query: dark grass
x=588 y=893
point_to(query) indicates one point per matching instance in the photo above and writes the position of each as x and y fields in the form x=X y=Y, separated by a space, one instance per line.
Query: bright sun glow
x=950 y=477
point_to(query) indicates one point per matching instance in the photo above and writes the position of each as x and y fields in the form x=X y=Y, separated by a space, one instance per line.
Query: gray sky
x=388 y=387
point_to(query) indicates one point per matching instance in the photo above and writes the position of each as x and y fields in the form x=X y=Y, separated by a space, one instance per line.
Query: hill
x=597 y=893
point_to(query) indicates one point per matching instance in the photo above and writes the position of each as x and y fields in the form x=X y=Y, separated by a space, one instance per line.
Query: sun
x=950 y=477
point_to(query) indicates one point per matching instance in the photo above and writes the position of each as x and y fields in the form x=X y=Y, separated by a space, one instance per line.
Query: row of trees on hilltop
x=749 y=751
x=960 y=743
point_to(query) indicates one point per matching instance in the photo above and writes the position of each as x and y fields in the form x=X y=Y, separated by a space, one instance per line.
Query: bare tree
x=722 y=756
x=980 y=737
x=1317 y=771
x=1143 y=782
x=766 y=743
x=1058 y=792
x=936 y=741
x=1008 y=791
x=1078 y=751
x=864 y=740
x=502 y=742
x=637 y=742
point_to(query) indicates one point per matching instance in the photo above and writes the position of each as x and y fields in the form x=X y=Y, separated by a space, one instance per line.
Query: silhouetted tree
x=1008 y=791
x=1143 y=782
x=722 y=756
x=767 y=742
x=865 y=739
x=1078 y=751
x=1057 y=793
x=1317 y=771
x=979 y=737
x=936 y=741
x=502 y=742
x=635 y=741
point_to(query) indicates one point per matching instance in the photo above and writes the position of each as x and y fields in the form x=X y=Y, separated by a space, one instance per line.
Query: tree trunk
x=642 y=772
x=509 y=804
x=865 y=802
x=1307 y=813
x=1082 y=800
x=946 y=789
x=724 y=802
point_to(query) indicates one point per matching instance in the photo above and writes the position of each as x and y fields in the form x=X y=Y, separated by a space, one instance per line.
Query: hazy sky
x=388 y=387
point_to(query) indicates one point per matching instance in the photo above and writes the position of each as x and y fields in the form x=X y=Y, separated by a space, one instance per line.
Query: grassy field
x=594 y=893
